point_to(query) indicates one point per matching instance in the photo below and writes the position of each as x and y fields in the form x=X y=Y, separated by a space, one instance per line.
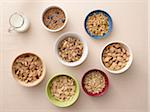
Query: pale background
x=127 y=92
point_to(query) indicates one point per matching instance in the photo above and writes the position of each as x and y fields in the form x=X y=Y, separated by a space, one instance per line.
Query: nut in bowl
x=54 y=18
x=95 y=82
x=98 y=24
x=116 y=57
x=62 y=90
x=71 y=49
x=28 y=69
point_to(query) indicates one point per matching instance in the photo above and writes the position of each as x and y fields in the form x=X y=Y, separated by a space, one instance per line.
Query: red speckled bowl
x=104 y=89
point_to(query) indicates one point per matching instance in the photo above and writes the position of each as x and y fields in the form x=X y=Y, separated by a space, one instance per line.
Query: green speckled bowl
x=60 y=103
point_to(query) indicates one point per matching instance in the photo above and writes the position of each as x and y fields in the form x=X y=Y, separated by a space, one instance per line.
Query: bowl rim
x=54 y=6
x=124 y=68
x=105 y=89
x=35 y=83
x=63 y=74
x=85 y=49
x=110 y=21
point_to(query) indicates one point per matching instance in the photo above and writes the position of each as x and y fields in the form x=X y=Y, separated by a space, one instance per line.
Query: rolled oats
x=94 y=82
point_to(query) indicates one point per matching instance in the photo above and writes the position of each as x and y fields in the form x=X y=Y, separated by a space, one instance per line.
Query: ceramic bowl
x=34 y=83
x=61 y=103
x=110 y=24
x=66 y=18
x=128 y=63
x=104 y=89
x=85 y=49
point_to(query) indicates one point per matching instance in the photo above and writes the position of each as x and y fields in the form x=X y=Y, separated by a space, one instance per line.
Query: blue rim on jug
x=110 y=24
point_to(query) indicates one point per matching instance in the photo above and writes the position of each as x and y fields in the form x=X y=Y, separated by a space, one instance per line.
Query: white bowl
x=85 y=49
x=35 y=82
x=128 y=63
x=66 y=19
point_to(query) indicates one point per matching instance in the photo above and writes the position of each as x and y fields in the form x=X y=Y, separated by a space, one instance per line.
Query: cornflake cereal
x=70 y=49
x=94 y=82
x=97 y=24
x=27 y=68
x=63 y=88
x=54 y=18
x=115 y=56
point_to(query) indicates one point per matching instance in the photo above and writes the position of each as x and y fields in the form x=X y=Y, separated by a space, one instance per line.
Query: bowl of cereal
x=116 y=57
x=28 y=69
x=95 y=82
x=71 y=49
x=62 y=90
x=54 y=18
x=98 y=24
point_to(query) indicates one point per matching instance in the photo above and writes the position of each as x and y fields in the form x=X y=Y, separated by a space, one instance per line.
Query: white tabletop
x=127 y=92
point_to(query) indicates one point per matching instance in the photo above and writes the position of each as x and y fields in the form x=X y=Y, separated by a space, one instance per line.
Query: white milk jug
x=18 y=23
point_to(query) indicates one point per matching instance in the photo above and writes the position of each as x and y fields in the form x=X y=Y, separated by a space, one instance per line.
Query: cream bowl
x=84 y=54
x=50 y=7
x=128 y=63
x=30 y=84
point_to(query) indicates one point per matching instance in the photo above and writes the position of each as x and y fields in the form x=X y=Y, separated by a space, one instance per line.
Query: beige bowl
x=30 y=84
